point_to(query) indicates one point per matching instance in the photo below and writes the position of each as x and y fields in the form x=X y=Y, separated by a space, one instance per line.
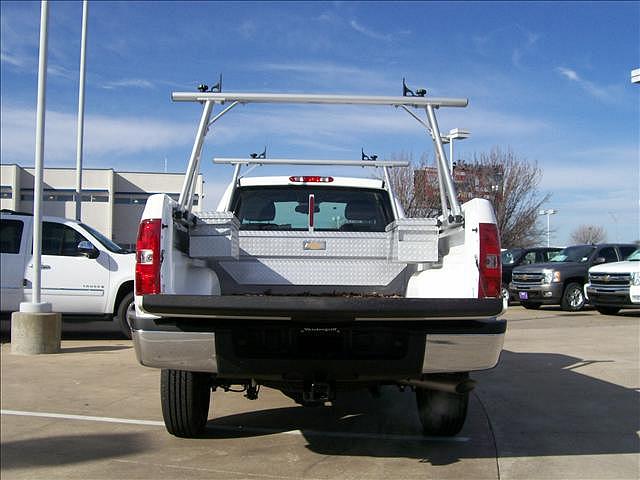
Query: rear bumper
x=331 y=348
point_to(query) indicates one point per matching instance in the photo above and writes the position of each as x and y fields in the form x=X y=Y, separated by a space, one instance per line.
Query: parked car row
x=605 y=275
x=83 y=273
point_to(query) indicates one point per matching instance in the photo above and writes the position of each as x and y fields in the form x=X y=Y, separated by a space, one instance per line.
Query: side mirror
x=87 y=249
x=599 y=260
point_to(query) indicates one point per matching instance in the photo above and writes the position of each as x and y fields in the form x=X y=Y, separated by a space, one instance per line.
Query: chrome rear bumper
x=191 y=351
x=196 y=351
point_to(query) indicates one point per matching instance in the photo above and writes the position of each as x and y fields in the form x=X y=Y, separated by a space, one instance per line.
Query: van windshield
x=335 y=208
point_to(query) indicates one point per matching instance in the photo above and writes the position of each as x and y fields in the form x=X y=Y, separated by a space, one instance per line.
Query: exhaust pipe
x=449 y=385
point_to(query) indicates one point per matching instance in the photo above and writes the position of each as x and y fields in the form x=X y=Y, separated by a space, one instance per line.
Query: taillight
x=489 y=263
x=311 y=179
x=148 y=257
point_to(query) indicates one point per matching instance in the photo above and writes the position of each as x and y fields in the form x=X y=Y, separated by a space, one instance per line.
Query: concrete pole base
x=35 y=333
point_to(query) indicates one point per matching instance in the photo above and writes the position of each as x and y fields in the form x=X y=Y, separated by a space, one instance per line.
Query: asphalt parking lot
x=563 y=403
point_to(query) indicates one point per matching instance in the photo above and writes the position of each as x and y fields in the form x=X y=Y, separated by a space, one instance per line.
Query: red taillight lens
x=490 y=266
x=148 y=257
x=311 y=179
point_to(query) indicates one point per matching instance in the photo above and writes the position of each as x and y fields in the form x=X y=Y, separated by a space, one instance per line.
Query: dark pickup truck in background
x=514 y=257
x=560 y=281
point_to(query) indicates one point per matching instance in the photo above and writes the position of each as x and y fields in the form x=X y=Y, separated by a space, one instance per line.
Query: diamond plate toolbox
x=215 y=235
x=413 y=240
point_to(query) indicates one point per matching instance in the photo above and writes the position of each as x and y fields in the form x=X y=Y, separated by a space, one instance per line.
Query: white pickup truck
x=84 y=274
x=313 y=284
x=614 y=286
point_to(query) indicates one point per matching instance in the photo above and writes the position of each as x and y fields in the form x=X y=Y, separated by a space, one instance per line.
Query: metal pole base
x=35 y=333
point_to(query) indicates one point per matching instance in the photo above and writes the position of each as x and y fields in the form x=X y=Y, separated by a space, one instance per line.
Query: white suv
x=84 y=274
x=613 y=286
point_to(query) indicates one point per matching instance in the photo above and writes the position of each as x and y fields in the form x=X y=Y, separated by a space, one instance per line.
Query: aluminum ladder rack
x=451 y=211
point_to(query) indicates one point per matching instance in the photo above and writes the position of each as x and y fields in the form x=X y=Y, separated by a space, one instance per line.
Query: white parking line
x=241 y=428
x=81 y=417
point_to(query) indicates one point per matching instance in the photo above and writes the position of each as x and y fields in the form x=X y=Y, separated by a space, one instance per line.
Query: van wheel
x=185 y=401
x=531 y=305
x=121 y=314
x=441 y=413
x=608 y=310
x=573 y=298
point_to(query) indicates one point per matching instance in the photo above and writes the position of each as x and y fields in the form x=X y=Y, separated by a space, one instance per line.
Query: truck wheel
x=531 y=305
x=504 y=292
x=185 y=401
x=608 y=310
x=573 y=298
x=441 y=413
x=121 y=314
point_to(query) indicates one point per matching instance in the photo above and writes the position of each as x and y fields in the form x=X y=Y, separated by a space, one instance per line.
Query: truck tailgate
x=319 y=308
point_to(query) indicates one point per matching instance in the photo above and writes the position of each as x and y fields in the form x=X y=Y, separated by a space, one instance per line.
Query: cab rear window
x=334 y=208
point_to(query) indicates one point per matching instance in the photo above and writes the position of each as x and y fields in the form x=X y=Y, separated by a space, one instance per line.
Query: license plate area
x=523 y=295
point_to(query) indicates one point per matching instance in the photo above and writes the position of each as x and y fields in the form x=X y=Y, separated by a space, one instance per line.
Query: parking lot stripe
x=82 y=417
x=241 y=428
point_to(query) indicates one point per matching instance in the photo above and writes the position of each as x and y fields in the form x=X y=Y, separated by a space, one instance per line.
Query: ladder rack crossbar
x=295 y=161
x=223 y=97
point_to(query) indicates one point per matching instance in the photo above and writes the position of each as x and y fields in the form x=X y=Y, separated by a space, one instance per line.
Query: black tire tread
x=443 y=424
x=185 y=402
x=121 y=314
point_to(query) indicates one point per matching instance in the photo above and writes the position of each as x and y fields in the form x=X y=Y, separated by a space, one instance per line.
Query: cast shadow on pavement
x=532 y=404
x=69 y=449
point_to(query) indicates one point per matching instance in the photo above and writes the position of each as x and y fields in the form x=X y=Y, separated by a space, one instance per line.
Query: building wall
x=112 y=202
x=9 y=185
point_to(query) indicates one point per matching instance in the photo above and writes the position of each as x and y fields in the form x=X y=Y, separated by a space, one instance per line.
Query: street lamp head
x=458 y=133
x=549 y=211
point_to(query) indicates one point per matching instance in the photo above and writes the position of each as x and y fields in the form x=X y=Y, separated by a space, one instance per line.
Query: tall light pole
x=454 y=134
x=83 y=46
x=35 y=329
x=548 y=212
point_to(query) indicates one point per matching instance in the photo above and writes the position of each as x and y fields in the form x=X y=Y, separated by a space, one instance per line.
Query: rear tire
x=573 y=298
x=441 y=413
x=531 y=305
x=185 y=401
x=608 y=310
x=121 y=314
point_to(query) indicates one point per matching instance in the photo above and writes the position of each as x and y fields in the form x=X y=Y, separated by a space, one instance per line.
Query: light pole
x=548 y=212
x=80 y=137
x=454 y=134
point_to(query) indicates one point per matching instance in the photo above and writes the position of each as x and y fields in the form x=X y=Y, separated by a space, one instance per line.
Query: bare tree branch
x=510 y=182
x=589 y=234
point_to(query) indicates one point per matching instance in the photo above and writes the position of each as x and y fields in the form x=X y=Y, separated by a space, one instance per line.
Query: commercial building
x=112 y=202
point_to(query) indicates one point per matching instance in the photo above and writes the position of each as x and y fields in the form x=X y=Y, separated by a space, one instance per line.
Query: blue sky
x=551 y=80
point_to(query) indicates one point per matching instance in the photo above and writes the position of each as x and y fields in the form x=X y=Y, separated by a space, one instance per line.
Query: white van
x=84 y=274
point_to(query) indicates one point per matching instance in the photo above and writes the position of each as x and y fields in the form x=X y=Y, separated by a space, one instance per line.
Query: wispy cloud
x=247 y=29
x=520 y=40
x=128 y=83
x=358 y=27
x=605 y=94
x=62 y=72
x=14 y=60
x=104 y=136
x=331 y=75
